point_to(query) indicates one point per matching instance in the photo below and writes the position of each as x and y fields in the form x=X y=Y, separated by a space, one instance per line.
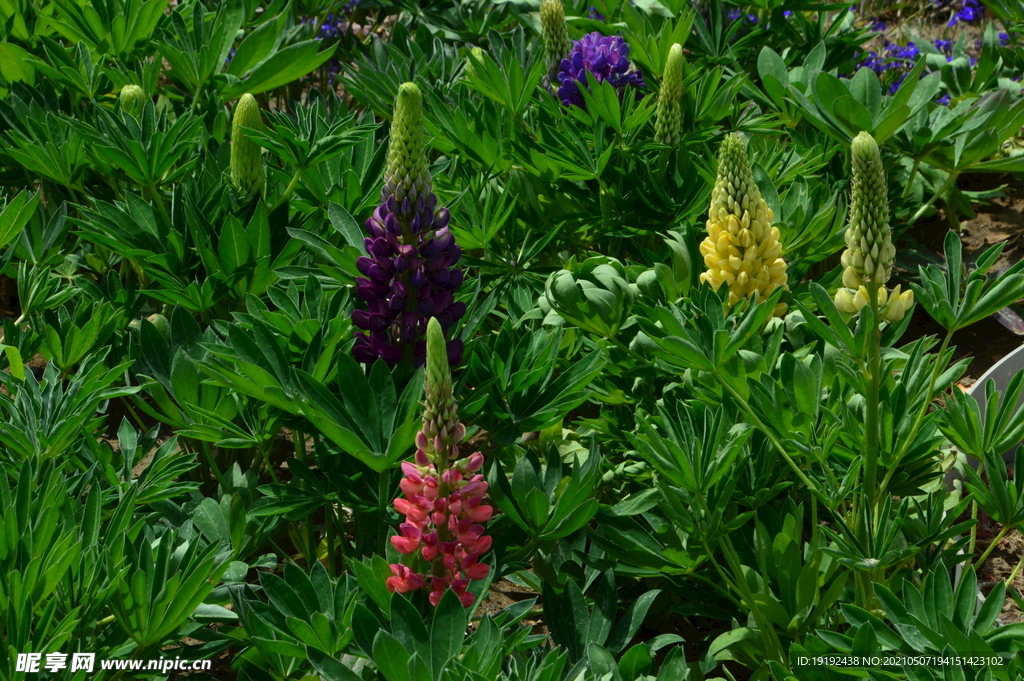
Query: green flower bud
x=556 y=39
x=132 y=99
x=869 y=250
x=247 y=171
x=440 y=411
x=407 y=174
x=869 y=253
x=596 y=298
x=668 y=126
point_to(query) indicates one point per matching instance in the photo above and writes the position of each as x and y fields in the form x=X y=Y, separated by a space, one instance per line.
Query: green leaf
x=282 y=68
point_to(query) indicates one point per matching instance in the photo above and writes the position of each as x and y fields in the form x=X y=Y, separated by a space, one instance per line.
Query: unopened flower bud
x=132 y=99
x=668 y=126
x=247 y=171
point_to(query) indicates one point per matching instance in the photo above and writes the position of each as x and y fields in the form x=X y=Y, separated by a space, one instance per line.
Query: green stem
x=762 y=622
x=873 y=380
x=752 y=415
x=923 y=209
x=300 y=447
x=606 y=207
x=383 y=501
x=208 y=453
x=992 y=546
x=135 y=656
x=912 y=433
x=974 y=528
x=291 y=186
x=1013 y=575
x=159 y=201
x=329 y=526
x=265 y=455
x=910 y=179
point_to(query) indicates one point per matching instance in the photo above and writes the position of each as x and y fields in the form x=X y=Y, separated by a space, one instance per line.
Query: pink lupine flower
x=443 y=504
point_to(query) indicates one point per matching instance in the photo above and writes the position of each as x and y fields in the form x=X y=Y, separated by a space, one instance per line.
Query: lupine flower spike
x=668 y=126
x=247 y=171
x=132 y=99
x=556 y=40
x=869 y=253
x=742 y=248
x=606 y=58
x=443 y=533
x=408 y=271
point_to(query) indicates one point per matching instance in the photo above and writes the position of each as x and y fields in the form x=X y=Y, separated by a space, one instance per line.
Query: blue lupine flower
x=594 y=14
x=970 y=10
x=606 y=57
x=943 y=100
x=787 y=13
x=231 y=55
x=878 y=26
x=1004 y=38
x=944 y=46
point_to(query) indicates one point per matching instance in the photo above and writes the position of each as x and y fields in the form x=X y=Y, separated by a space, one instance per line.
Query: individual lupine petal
x=247 y=171
x=844 y=302
x=742 y=249
x=899 y=304
x=668 y=126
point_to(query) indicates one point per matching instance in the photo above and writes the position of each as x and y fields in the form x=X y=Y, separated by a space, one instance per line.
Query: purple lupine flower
x=788 y=13
x=943 y=100
x=231 y=55
x=1004 y=38
x=878 y=26
x=409 y=272
x=944 y=46
x=734 y=14
x=594 y=14
x=606 y=57
x=970 y=10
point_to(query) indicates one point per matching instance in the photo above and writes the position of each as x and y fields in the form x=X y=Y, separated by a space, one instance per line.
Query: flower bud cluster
x=443 y=500
x=606 y=58
x=556 y=39
x=668 y=126
x=870 y=253
x=742 y=249
x=408 y=272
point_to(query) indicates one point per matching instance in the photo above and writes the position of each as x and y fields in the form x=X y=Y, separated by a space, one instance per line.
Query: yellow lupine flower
x=742 y=249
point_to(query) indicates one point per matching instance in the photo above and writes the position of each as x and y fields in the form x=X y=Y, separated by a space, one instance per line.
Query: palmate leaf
x=42 y=142
x=281 y=68
x=197 y=49
x=147 y=150
x=310 y=136
x=109 y=27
